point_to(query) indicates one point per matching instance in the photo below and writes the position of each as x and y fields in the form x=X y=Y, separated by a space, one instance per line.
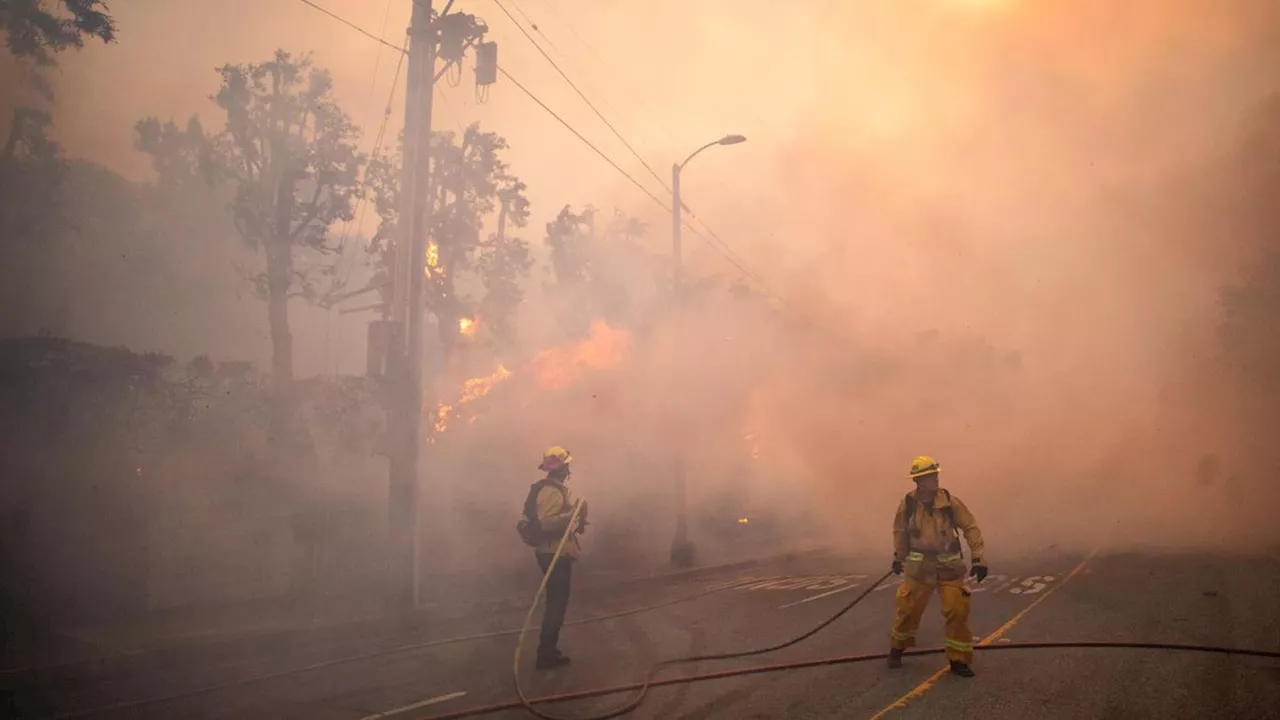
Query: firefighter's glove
x=979 y=572
x=897 y=567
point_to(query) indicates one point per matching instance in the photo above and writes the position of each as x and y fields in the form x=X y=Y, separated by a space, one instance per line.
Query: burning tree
x=469 y=183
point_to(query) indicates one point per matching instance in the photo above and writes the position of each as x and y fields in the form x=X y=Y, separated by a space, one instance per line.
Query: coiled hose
x=642 y=688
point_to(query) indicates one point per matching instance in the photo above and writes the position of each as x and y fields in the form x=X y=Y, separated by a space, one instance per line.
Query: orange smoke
x=557 y=368
x=553 y=369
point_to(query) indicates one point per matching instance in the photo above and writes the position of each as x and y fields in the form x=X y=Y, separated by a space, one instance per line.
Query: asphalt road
x=1210 y=599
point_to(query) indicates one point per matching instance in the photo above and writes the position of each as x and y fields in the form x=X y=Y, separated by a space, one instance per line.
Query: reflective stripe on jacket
x=555 y=507
x=931 y=535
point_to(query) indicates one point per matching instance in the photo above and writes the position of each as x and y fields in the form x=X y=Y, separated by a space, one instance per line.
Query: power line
x=582 y=95
x=534 y=25
x=595 y=55
x=584 y=140
x=377 y=149
x=724 y=248
x=725 y=251
x=377 y=59
x=732 y=261
x=351 y=25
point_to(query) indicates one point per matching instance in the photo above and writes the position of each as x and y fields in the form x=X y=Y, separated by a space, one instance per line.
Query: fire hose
x=648 y=681
x=642 y=688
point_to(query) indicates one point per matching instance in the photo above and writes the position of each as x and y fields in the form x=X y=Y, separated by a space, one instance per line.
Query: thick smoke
x=1000 y=231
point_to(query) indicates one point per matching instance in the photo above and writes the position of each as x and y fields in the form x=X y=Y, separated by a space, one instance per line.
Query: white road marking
x=1031 y=586
x=832 y=584
x=819 y=596
x=431 y=701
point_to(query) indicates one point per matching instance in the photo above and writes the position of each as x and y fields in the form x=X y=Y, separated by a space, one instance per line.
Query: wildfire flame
x=433 y=258
x=553 y=369
x=557 y=368
x=472 y=390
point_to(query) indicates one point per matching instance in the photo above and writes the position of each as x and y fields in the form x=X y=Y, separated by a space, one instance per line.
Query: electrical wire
x=362 y=203
x=351 y=25
x=741 y=268
x=583 y=138
x=648 y=682
x=845 y=660
x=724 y=248
x=534 y=25
x=581 y=94
x=595 y=55
x=600 y=60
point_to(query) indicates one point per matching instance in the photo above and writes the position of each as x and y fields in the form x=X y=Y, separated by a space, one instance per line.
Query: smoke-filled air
x=1037 y=240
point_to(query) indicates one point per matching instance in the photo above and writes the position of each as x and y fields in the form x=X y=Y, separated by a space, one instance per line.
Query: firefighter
x=926 y=546
x=549 y=502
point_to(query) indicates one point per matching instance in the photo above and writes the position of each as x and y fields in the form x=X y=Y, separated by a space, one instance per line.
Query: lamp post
x=682 y=552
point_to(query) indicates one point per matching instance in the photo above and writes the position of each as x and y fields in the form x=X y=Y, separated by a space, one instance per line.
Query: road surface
x=1195 y=598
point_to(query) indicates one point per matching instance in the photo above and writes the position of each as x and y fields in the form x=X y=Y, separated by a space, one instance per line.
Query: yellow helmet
x=923 y=465
x=555 y=458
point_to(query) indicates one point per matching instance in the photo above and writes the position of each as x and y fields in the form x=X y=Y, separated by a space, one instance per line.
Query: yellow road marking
x=924 y=687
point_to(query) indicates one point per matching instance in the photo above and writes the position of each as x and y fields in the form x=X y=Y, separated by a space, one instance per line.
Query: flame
x=433 y=258
x=743 y=521
x=557 y=368
x=553 y=369
x=442 y=417
x=472 y=390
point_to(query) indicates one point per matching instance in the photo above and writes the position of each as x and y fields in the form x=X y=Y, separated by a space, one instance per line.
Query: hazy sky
x=1049 y=176
x=993 y=166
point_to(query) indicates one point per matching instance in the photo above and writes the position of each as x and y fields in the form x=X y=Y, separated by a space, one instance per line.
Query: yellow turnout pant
x=912 y=599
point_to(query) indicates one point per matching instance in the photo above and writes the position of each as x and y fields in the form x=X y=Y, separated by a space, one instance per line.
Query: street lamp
x=681 y=548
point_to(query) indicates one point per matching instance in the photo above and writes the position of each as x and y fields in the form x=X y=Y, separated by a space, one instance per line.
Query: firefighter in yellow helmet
x=926 y=546
x=549 y=508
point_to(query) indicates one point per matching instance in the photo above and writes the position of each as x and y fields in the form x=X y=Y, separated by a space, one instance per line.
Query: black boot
x=552 y=660
x=895 y=658
x=961 y=669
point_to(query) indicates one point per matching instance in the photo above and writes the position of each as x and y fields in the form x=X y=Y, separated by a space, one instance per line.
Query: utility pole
x=409 y=307
x=446 y=37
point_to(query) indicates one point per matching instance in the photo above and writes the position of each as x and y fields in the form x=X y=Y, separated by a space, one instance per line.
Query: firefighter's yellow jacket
x=555 y=507
x=928 y=544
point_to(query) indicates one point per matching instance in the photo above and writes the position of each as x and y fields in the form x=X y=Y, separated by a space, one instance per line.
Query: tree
x=469 y=181
x=289 y=150
x=600 y=274
x=36 y=30
x=504 y=262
